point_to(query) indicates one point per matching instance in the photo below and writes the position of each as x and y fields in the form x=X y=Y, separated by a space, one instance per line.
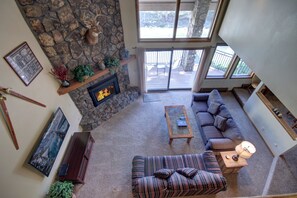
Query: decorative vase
x=65 y=83
x=124 y=54
x=85 y=77
x=102 y=66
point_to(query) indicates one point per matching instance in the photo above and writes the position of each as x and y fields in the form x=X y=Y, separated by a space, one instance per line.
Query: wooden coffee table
x=172 y=114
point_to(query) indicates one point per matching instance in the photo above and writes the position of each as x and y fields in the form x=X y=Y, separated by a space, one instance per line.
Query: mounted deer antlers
x=92 y=32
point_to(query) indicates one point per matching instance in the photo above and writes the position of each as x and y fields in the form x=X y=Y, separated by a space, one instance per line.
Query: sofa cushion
x=205 y=118
x=174 y=161
x=214 y=96
x=232 y=131
x=199 y=106
x=224 y=112
x=203 y=183
x=150 y=185
x=220 y=144
x=187 y=172
x=152 y=164
x=213 y=108
x=220 y=122
x=164 y=173
x=211 y=132
x=200 y=96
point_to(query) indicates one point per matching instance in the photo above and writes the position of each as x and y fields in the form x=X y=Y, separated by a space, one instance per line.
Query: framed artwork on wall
x=45 y=153
x=24 y=63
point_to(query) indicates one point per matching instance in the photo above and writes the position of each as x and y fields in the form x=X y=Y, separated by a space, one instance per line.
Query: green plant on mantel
x=82 y=72
x=111 y=61
x=61 y=190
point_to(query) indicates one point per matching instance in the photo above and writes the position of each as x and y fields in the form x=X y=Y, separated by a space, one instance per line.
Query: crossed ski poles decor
x=5 y=113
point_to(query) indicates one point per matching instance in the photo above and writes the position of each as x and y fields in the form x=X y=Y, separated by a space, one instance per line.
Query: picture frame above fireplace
x=24 y=63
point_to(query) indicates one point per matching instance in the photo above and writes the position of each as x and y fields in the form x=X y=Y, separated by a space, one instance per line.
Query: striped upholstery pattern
x=152 y=164
x=163 y=173
x=211 y=163
x=137 y=168
x=208 y=180
x=187 y=172
x=202 y=183
x=150 y=186
x=174 y=161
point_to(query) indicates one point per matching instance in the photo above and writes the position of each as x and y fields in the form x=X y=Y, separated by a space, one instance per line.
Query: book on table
x=181 y=123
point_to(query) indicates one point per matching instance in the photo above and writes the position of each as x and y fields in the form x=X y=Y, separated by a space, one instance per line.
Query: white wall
x=263 y=33
x=17 y=179
x=274 y=134
x=128 y=15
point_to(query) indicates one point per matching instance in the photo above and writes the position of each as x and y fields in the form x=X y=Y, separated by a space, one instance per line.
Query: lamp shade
x=245 y=149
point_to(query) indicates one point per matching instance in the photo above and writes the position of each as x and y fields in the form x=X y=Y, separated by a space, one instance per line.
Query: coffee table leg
x=170 y=140
x=189 y=140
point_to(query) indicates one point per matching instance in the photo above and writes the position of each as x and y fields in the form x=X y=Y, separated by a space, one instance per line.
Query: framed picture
x=44 y=156
x=24 y=63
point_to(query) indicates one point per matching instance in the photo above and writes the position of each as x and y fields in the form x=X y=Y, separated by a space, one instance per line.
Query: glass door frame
x=171 y=50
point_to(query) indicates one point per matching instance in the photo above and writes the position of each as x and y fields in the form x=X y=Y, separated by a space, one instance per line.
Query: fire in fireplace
x=104 y=89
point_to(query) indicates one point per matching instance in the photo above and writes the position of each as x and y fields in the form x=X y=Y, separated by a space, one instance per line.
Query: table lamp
x=244 y=150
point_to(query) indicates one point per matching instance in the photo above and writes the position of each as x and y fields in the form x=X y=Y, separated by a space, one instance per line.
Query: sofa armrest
x=200 y=96
x=137 y=168
x=220 y=144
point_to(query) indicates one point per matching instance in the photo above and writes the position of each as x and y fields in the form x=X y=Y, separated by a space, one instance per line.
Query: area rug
x=151 y=98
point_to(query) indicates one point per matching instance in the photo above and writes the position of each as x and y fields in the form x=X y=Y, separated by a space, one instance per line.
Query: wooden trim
x=286 y=126
x=176 y=18
x=216 y=19
x=98 y=73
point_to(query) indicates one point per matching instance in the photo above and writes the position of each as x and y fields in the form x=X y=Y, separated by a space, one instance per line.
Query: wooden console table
x=76 y=158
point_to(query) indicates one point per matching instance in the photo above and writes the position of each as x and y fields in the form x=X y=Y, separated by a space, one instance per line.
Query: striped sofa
x=208 y=180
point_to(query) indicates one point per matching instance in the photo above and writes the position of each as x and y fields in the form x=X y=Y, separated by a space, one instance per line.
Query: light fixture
x=244 y=150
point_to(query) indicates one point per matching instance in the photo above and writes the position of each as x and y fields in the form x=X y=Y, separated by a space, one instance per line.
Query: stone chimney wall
x=60 y=27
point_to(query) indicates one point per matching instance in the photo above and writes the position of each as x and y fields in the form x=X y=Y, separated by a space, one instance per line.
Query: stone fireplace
x=61 y=26
x=104 y=90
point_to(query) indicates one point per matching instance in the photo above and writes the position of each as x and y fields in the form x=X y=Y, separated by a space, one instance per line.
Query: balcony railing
x=221 y=60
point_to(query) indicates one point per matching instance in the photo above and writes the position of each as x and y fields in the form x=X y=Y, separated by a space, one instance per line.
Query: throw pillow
x=213 y=108
x=220 y=122
x=163 y=173
x=187 y=172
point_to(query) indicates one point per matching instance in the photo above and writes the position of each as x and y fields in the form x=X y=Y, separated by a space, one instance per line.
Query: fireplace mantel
x=98 y=73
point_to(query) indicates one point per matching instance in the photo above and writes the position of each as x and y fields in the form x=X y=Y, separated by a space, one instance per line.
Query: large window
x=220 y=62
x=242 y=70
x=224 y=61
x=176 y=19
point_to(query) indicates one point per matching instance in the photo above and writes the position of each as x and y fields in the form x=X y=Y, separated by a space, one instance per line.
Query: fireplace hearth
x=104 y=90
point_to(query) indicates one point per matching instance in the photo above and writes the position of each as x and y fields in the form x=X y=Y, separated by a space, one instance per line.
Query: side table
x=228 y=165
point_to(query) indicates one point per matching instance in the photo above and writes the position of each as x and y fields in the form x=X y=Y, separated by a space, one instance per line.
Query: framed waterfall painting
x=45 y=153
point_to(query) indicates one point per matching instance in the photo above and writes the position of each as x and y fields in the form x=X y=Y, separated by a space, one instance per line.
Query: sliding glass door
x=171 y=69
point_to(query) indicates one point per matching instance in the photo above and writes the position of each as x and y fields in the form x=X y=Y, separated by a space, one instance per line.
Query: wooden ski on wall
x=5 y=113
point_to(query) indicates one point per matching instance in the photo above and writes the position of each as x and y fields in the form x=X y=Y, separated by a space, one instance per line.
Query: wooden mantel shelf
x=98 y=73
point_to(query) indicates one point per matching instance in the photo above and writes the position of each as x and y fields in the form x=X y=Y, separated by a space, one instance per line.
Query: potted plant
x=82 y=72
x=111 y=62
x=61 y=73
x=61 y=189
